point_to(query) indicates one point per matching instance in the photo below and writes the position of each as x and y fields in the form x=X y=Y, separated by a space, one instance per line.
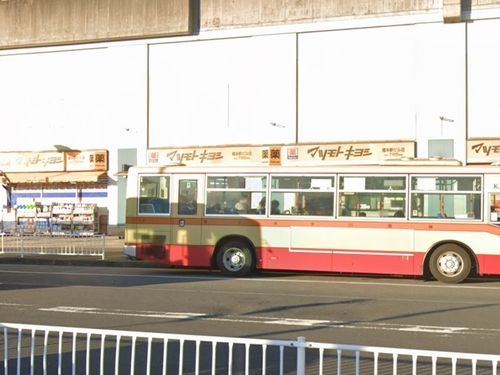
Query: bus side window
x=154 y=193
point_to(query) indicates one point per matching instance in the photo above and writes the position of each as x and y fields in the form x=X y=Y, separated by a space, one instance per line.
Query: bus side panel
x=152 y=241
x=175 y=255
x=189 y=255
x=279 y=258
x=360 y=249
x=489 y=264
x=155 y=253
x=277 y=253
x=377 y=262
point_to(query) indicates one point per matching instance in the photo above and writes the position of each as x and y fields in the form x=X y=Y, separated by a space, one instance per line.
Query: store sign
x=32 y=161
x=483 y=150
x=284 y=155
x=53 y=161
x=87 y=161
x=216 y=155
x=348 y=152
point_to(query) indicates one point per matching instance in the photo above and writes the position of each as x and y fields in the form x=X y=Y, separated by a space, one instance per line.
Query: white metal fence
x=42 y=244
x=34 y=349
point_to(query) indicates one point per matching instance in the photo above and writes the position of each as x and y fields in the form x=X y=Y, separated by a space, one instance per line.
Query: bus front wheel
x=450 y=263
x=236 y=258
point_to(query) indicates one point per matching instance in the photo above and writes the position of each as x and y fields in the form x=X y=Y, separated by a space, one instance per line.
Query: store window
x=446 y=197
x=154 y=195
x=372 y=196
x=234 y=195
x=302 y=195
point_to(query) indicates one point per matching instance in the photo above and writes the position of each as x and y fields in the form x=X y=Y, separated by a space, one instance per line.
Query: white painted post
x=103 y=246
x=22 y=243
x=301 y=355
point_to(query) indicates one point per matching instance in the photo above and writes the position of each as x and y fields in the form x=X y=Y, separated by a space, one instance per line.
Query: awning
x=92 y=176
x=30 y=178
x=55 y=177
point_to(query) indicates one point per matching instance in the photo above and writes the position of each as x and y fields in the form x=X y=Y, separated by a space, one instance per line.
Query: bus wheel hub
x=449 y=264
x=235 y=259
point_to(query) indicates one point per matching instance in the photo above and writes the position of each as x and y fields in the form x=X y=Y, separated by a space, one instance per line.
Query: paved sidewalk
x=114 y=257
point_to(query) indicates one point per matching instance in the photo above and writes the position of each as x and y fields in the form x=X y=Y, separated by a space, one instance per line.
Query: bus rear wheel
x=235 y=258
x=450 y=263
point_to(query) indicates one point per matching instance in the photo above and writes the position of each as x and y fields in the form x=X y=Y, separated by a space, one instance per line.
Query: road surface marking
x=145 y=314
x=278 y=321
x=14 y=304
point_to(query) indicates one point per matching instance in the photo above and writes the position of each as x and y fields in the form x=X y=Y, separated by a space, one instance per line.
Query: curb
x=79 y=262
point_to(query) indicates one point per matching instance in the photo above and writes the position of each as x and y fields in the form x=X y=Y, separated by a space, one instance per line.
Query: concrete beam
x=452 y=11
x=236 y=13
x=51 y=22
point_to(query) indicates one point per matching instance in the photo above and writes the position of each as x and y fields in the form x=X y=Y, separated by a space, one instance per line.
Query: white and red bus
x=426 y=220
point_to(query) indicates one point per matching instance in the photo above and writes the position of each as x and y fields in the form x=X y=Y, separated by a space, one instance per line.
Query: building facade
x=125 y=77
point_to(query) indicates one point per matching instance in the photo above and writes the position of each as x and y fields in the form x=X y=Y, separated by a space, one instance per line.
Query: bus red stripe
x=432 y=225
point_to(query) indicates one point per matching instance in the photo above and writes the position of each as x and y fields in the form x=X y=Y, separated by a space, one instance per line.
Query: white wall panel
x=484 y=78
x=440 y=85
x=82 y=99
x=56 y=98
x=357 y=84
x=223 y=91
x=383 y=83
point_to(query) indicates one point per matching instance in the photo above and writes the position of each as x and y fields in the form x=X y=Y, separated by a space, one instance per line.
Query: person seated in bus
x=362 y=214
x=275 y=207
x=215 y=209
x=399 y=213
x=242 y=205
x=187 y=206
x=261 y=209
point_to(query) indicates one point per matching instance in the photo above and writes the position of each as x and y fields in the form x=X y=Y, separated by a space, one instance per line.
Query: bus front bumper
x=129 y=250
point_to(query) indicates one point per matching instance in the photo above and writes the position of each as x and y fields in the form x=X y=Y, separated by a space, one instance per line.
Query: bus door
x=495 y=208
x=148 y=207
x=492 y=188
x=186 y=248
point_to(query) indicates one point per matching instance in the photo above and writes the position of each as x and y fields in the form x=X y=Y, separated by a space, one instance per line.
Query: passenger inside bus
x=275 y=207
x=188 y=205
x=242 y=205
x=399 y=213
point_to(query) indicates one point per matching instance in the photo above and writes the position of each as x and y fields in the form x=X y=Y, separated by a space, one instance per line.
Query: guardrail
x=43 y=244
x=36 y=349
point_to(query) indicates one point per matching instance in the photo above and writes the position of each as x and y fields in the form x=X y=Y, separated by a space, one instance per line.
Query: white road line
x=277 y=321
x=14 y=304
x=145 y=314
x=263 y=280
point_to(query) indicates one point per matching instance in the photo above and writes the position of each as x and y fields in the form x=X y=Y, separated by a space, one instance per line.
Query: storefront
x=55 y=192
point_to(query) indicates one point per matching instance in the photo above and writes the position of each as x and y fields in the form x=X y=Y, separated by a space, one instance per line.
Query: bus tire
x=236 y=258
x=450 y=263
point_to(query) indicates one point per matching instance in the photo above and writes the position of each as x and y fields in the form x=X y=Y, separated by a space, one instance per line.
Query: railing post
x=22 y=243
x=103 y=245
x=301 y=355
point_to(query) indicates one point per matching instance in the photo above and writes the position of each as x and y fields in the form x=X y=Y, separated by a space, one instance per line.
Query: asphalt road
x=393 y=312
